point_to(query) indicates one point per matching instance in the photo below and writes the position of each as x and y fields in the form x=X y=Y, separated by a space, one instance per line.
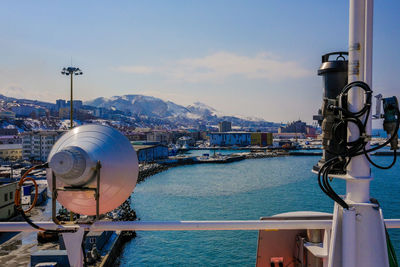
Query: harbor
x=209 y=133
x=25 y=247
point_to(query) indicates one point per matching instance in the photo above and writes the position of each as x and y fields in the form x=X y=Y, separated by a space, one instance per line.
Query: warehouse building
x=261 y=139
x=230 y=139
x=150 y=152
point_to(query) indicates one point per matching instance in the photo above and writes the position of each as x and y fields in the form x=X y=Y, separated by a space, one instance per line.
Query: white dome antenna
x=90 y=162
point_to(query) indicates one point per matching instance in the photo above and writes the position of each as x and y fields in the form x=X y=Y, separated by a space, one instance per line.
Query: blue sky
x=254 y=58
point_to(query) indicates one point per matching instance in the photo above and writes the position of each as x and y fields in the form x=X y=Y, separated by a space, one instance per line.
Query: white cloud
x=222 y=65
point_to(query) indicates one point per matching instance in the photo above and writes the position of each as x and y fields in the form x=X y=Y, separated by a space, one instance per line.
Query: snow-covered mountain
x=156 y=108
x=140 y=105
x=129 y=110
x=153 y=107
x=203 y=110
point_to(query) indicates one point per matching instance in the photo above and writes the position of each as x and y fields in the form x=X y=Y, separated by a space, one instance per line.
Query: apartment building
x=37 y=144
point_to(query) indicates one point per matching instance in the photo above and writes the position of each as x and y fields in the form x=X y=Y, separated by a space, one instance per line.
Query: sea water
x=244 y=190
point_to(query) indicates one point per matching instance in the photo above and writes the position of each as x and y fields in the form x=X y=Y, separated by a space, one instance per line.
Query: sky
x=253 y=58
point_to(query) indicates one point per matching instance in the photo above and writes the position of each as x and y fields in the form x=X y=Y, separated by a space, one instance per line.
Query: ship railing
x=183 y=225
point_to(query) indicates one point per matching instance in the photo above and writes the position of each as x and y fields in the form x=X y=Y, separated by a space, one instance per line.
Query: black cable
x=368 y=100
x=325 y=186
x=333 y=194
x=350 y=149
x=321 y=170
x=380 y=166
x=29 y=221
x=391 y=137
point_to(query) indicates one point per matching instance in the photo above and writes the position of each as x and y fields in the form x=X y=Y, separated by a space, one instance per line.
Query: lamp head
x=73 y=160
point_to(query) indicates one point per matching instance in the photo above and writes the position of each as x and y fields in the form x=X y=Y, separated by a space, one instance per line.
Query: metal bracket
x=55 y=190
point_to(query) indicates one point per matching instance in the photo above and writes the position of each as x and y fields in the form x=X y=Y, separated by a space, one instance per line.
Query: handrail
x=183 y=225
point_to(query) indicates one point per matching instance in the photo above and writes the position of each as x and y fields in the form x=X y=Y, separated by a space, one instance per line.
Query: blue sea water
x=247 y=189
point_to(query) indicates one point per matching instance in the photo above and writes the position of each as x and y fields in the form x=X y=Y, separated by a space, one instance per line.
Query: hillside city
x=29 y=128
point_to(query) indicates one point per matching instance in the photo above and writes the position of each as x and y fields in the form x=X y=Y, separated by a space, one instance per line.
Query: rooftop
x=10 y=146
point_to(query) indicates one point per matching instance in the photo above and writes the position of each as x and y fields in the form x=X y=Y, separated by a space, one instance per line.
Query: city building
x=289 y=135
x=230 y=139
x=77 y=104
x=224 y=126
x=37 y=144
x=63 y=108
x=63 y=113
x=294 y=127
x=101 y=112
x=60 y=103
x=7 y=200
x=6 y=114
x=10 y=151
x=10 y=139
x=150 y=153
x=311 y=132
x=28 y=110
x=261 y=139
x=136 y=136
x=158 y=136
x=8 y=131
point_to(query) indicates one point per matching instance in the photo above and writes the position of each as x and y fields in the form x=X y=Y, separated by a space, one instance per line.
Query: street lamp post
x=71 y=71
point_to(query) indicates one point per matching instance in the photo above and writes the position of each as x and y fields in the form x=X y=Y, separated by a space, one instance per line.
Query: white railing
x=183 y=225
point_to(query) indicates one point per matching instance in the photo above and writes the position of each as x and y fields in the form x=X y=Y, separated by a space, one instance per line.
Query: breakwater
x=146 y=170
x=265 y=154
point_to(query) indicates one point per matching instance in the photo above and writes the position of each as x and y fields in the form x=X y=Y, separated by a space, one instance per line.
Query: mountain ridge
x=149 y=111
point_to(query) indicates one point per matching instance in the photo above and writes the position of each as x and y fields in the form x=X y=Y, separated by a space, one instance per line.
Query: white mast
x=360 y=69
x=358 y=233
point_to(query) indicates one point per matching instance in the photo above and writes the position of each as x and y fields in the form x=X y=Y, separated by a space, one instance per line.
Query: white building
x=7 y=200
x=230 y=139
x=149 y=153
x=10 y=151
x=26 y=110
x=37 y=144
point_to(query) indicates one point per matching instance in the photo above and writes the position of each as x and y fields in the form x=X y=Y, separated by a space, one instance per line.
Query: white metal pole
x=360 y=69
x=363 y=235
x=369 y=21
x=349 y=238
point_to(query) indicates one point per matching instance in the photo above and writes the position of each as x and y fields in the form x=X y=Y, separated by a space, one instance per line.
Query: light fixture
x=74 y=161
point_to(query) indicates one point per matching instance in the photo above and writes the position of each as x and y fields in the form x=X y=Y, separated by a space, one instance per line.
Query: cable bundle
x=351 y=148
